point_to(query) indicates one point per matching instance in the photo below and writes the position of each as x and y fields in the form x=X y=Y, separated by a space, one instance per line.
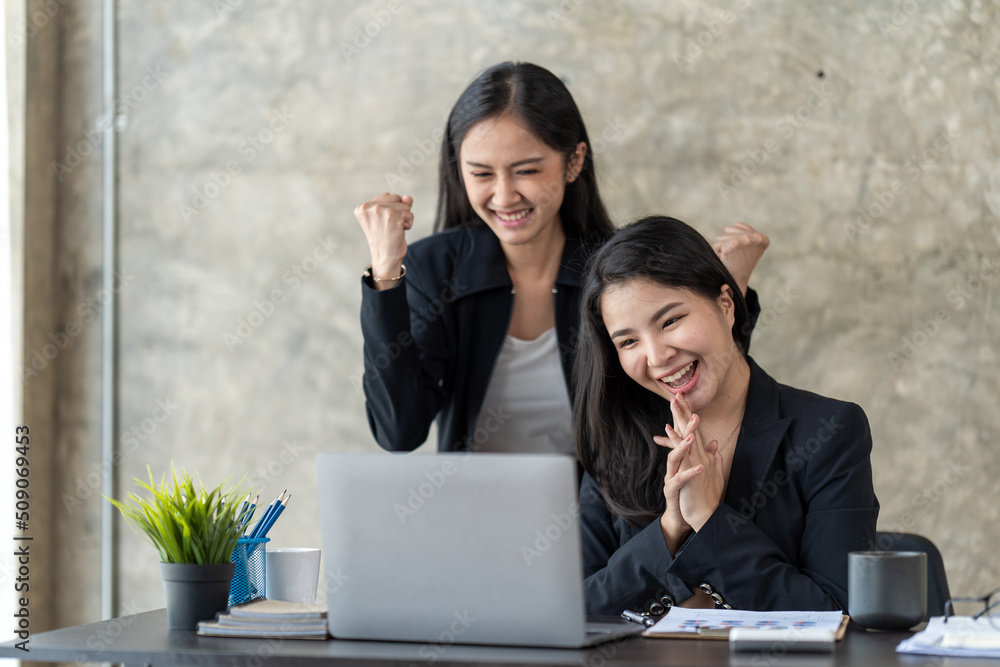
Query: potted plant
x=194 y=530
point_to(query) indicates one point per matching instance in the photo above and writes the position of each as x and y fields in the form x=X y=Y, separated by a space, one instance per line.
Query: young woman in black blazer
x=518 y=212
x=708 y=483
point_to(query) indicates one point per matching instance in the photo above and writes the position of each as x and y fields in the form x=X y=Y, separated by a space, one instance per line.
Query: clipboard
x=723 y=633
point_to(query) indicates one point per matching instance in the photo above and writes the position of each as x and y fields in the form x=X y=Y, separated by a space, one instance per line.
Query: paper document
x=694 y=621
x=959 y=637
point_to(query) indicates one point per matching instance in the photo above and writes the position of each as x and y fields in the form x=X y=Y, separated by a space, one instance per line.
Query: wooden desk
x=143 y=639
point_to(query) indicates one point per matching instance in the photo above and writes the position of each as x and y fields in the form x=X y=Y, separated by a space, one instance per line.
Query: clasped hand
x=694 y=480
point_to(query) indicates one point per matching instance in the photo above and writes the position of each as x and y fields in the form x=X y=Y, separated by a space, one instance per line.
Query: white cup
x=292 y=574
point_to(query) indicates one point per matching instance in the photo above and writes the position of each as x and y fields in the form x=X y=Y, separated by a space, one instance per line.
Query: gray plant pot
x=195 y=592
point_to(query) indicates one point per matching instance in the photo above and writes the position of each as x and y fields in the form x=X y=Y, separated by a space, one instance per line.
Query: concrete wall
x=862 y=138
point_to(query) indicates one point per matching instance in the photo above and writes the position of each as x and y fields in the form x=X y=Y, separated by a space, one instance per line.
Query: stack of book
x=269 y=619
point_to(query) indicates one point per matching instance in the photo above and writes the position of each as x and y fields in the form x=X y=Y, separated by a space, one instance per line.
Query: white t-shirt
x=526 y=409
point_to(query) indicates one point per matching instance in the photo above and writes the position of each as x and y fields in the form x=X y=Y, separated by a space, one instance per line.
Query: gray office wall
x=861 y=137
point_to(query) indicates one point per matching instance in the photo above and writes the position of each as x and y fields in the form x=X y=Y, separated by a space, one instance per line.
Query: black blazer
x=431 y=343
x=800 y=497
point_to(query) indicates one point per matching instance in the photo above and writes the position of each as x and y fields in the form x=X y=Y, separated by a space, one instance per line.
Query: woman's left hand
x=700 y=495
x=740 y=247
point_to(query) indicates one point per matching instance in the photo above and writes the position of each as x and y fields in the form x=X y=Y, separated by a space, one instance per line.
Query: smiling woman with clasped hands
x=708 y=483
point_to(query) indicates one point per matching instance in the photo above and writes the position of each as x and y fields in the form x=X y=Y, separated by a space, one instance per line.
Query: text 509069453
x=22 y=557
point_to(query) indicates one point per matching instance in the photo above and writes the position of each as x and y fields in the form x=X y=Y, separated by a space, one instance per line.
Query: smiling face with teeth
x=672 y=340
x=514 y=181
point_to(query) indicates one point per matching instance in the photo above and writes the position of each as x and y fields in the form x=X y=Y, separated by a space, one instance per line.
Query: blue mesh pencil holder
x=250 y=578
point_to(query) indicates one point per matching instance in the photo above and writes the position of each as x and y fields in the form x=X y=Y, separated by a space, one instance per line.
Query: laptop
x=455 y=548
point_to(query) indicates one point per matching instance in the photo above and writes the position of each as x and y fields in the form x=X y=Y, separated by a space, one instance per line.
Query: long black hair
x=537 y=98
x=614 y=418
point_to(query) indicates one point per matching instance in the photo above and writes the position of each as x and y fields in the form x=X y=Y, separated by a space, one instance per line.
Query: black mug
x=887 y=590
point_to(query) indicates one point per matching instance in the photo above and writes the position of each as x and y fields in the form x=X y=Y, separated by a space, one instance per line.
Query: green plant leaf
x=185 y=523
